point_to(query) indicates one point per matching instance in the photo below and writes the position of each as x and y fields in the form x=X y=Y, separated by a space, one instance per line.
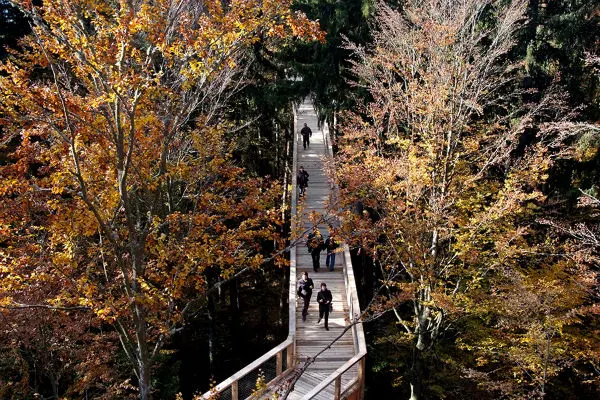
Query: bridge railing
x=333 y=383
x=269 y=366
x=281 y=358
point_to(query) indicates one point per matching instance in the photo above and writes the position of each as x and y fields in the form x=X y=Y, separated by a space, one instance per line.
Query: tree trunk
x=234 y=307
x=211 y=333
x=422 y=330
x=234 y=298
x=54 y=381
x=283 y=303
x=546 y=359
x=277 y=166
x=139 y=320
x=284 y=197
x=143 y=357
x=144 y=384
x=368 y=275
x=221 y=292
x=416 y=375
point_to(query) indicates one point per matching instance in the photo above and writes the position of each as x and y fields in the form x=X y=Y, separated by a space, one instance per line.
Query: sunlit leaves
x=442 y=185
x=120 y=196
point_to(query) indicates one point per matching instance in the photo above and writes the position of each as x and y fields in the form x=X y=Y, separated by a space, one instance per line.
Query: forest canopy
x=145 y=158
x=122 y=204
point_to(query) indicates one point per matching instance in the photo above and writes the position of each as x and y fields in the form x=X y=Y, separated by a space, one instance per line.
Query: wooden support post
x=290 y=356
x=234 y=390
x=337 y=393
x=279 y=363
x=361 y=378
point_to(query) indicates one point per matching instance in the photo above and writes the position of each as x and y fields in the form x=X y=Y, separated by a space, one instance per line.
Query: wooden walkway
x=338 y=372
x=310 y=336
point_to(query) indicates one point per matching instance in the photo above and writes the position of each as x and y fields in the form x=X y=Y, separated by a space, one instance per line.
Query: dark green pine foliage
x=323 y=66
x=264 y=115
x=13 y=26
x=560 y=37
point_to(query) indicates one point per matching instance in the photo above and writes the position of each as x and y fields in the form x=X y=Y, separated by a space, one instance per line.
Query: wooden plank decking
x=310 y=336
x=341 y=366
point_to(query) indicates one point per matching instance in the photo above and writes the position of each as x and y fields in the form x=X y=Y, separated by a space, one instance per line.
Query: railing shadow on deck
x=282 y=358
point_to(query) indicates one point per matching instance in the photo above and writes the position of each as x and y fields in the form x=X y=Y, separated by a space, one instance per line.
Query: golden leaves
x=120 y=193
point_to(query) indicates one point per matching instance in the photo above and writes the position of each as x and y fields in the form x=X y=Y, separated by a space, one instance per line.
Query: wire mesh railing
x=255 y=377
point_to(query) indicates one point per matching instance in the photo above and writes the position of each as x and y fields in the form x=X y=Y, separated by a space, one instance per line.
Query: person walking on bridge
x=324 y=298
x=305 y=288
x=306 y=134
x=315 y=245
x=302 y=180
x=331 y=244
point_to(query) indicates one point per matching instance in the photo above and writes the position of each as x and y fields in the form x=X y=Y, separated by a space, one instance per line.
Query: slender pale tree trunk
x=416 y=373
x=211 y=332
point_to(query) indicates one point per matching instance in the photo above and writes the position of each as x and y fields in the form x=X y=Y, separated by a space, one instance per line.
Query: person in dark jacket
x=331 y=244
x=302 y=180
x=315 y=245
x=305 y=288
x=324 y=298
x=306 y=134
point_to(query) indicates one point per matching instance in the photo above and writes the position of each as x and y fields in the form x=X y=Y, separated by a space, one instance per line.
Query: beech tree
x=445 y=166
x=120 y=190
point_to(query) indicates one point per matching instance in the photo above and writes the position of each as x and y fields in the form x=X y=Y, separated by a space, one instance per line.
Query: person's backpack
x=315 y=241
x=331 y=244
x=302 y=179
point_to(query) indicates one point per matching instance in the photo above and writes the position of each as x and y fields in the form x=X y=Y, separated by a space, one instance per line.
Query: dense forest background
x=487 y=279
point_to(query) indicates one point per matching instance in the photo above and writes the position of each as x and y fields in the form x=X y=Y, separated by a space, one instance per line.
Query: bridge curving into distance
x=338 y=370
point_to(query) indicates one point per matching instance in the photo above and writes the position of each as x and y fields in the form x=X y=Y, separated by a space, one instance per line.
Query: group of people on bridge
x=315 y=244
x=324 y=298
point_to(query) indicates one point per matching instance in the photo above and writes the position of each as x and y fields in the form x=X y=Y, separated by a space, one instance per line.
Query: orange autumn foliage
x=121 y=190
x=442 y=176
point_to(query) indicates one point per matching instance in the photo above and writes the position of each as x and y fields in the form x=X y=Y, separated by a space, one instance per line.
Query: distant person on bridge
x=331 y=244
x=305 y=288
x=324 y=298
x=306 y=134
x=302 y=180
x=315 y=245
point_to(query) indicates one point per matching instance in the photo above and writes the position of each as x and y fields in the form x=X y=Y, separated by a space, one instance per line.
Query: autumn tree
x=441 y=174
x=120 y=191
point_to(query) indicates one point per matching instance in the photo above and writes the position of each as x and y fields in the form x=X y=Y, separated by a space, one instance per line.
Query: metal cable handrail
x=289 y=344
